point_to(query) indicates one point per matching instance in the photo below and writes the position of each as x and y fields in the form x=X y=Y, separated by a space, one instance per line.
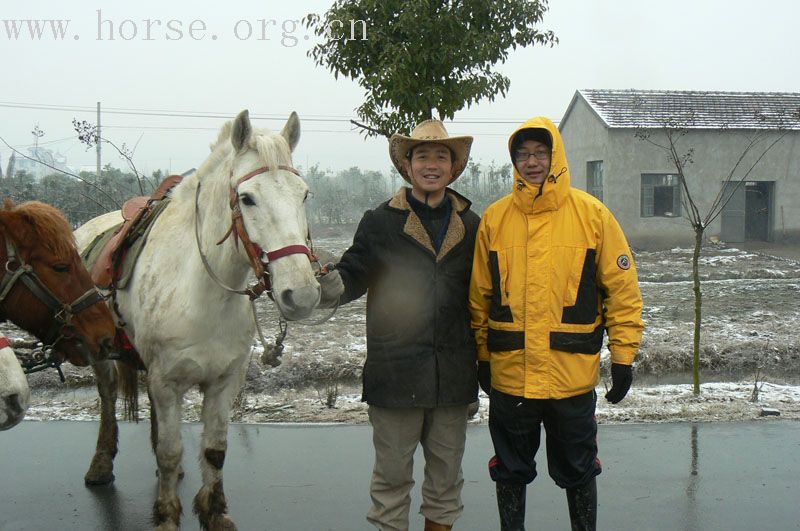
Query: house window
x=661 y=195
x=594 y=178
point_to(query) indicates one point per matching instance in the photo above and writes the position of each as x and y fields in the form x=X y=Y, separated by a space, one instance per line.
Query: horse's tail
x=128 y=378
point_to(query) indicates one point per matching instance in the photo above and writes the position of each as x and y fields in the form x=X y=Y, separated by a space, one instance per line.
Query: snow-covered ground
x=751 y=318
x=720 y=401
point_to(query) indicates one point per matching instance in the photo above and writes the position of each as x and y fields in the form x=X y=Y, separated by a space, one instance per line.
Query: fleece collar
x=414 y=228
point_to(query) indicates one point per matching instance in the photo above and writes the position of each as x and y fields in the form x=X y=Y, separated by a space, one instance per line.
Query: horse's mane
x=272 y=148
x=47 y=224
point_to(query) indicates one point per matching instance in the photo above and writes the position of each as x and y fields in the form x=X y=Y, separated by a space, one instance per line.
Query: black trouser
x=571 y=438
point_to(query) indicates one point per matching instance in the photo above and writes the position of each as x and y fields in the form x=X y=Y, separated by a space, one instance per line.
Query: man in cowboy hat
x=412 y=256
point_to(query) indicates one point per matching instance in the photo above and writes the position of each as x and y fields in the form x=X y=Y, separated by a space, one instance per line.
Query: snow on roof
x=695 y=109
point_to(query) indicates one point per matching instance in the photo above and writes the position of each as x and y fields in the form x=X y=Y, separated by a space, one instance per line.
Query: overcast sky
x=729 y=45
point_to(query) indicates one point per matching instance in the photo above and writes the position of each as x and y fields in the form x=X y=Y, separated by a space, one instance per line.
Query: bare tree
x=668 y=138
x=89 y=135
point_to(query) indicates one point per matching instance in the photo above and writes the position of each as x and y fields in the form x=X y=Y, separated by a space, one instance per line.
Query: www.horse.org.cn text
x=286 y=32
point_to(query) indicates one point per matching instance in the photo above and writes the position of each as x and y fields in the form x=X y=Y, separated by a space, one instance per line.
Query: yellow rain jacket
x=552 y=271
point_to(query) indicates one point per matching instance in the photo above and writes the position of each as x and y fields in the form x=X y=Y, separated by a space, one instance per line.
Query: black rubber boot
x=583 y=506
x=511 y=505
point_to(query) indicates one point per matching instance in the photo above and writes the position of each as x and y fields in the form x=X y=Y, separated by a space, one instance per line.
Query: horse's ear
x=242 y=130
x=291 y=131
x=8 y=203
x=13 y=221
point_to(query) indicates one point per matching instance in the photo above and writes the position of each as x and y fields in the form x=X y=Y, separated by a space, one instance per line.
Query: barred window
x=594 y=178
x=661 y=195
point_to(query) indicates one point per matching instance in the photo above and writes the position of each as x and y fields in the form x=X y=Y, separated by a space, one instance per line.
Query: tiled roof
x=696 y=109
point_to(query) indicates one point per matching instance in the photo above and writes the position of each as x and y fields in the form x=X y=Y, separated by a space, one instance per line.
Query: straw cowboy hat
x=430 y=131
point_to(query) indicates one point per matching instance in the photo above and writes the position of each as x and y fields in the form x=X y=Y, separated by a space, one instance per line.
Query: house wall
x=585 y=139
x=626 y=158
x=715 y=154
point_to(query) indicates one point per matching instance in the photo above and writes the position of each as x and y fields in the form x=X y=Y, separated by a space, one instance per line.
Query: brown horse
x=46 y=290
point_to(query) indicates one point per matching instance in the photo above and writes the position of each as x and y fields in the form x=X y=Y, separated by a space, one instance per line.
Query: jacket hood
x=550 y=195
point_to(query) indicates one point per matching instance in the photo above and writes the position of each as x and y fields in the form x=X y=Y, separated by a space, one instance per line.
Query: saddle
x=107 y=256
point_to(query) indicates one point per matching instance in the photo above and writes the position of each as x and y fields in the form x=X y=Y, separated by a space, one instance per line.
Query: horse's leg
x=166 y=401
x=209 y=503
x=101 y=471
x=154 y=434
x=153 y=423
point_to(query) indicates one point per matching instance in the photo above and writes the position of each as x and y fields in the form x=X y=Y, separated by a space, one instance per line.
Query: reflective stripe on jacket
x=552 y=271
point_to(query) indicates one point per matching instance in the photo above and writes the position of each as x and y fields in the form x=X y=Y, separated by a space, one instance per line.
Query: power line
x=215 y=115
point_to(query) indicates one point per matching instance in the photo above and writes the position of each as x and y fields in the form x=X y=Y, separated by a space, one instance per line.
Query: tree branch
x=712 y=215
x=371 y=129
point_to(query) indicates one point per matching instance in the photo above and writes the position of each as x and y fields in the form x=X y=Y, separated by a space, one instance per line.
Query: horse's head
x=271 y=197
x=14 y=391
x=46 y=289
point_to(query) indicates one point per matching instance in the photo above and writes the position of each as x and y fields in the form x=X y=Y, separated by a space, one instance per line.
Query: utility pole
x=37 y=134
x=99 y=160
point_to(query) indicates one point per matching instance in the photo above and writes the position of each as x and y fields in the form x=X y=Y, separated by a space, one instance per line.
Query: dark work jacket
x=420 y=347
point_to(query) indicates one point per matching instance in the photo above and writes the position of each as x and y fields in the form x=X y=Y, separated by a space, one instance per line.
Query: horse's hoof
x=101 y=470
x=221 y=522
x=93 y=480
x=167 y=526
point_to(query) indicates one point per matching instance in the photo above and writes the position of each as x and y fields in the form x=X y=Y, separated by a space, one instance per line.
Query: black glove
x=621 y=380
x=485 y=376
x=330 y=282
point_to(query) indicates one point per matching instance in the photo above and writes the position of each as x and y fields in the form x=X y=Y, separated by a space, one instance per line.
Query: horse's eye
x=305 y=197
x=61 y=268
x=247 y=200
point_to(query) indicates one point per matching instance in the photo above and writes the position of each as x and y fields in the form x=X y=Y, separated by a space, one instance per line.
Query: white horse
x=14 y=391
x=188 y=328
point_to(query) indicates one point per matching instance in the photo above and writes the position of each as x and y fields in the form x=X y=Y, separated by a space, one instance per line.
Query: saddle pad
x=95 y=249
x=130 y=249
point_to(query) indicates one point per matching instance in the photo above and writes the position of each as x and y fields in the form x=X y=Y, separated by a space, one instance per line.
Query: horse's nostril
x=287 y=300
x=107 y=345
x=13 y=404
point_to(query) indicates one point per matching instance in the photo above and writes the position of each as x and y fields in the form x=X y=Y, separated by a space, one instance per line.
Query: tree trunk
x=698 y=305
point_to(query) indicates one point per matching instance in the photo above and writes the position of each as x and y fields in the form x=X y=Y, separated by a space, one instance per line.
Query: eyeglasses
x=524 y=156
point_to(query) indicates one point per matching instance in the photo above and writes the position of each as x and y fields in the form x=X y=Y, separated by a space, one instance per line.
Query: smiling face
x=532 y=160
x=430 y=169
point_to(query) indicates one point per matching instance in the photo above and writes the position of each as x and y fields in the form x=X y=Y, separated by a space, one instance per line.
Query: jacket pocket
x=499 y=309
x=504 y=340
x=580 y=299
x=578 y=342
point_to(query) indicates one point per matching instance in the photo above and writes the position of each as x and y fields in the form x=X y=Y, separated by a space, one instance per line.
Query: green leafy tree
x=420 y=59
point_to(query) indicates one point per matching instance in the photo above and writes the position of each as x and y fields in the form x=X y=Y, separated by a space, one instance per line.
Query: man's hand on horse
x=332 y=286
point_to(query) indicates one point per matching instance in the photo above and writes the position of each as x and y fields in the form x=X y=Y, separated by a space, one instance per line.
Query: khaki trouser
x=395 y=435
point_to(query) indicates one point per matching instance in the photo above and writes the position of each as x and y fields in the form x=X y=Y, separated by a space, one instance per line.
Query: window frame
x=592 y=178
x=648 y=184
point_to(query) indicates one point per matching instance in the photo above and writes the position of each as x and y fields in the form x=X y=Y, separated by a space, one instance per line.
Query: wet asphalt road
x=726 y=476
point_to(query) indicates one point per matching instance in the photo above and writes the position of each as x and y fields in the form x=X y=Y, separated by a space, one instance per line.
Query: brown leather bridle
x=17 y=270
x=255 y=253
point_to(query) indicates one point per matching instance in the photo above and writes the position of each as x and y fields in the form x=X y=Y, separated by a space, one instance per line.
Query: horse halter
x=62 y=313
x=255 y=253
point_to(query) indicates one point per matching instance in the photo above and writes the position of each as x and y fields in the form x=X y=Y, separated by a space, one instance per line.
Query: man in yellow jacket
x=552 y=272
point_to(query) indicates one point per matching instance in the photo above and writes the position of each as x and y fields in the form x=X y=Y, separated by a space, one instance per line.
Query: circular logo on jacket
x=624 y=262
